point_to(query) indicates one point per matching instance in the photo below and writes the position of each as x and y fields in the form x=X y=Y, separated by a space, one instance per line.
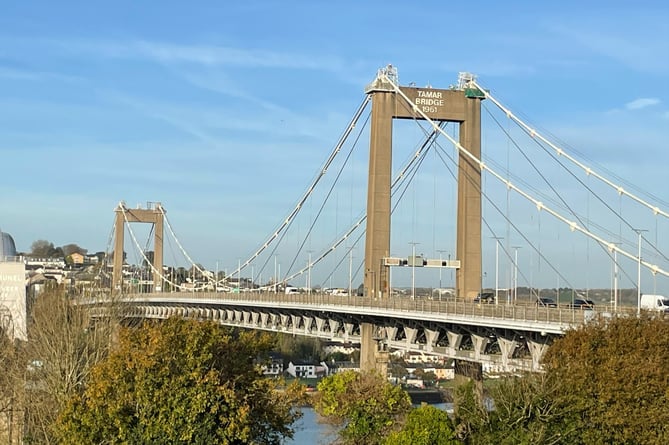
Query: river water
x=309 y=431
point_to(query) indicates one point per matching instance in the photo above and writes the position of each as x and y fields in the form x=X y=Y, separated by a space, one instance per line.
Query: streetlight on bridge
x=639 y=232
x=413 y=269
x=309 y=273
x=440 y=267
x=515 y=274
x=497 y=240
x=614 y=297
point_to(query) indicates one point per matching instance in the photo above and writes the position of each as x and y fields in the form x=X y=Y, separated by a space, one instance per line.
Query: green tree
x=295 y=348
x=69 y=249
x=604 y=383
x=45 y=249
x=364 y=404
x=181 y=381
x=472 y=419
x=527 y=410
x=425 y=425
x=614 y=377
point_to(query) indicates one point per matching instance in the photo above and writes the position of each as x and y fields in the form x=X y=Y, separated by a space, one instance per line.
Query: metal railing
x=452 y=307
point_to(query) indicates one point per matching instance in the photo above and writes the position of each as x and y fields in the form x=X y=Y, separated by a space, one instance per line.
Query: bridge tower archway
x=461 y=105
x=153 y=214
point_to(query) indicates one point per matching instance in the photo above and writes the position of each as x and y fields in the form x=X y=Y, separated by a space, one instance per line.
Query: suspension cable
x=310 y=190
x=573 y=225
x=399 y=178
x=561 y=152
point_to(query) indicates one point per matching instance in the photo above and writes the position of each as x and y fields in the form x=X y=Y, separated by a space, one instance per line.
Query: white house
x=307 y=370
x=274 y=367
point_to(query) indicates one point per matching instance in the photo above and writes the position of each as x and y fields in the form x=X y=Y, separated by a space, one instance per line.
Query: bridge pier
x=466 y=371
x=432 y=336
x=507 y=347
x=367 y=347
x=480 y=344
x=454 y=342
x=537 y=350
x=308 y=322
x=410 y=334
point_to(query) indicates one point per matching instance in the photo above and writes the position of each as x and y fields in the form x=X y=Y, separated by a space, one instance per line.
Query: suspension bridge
x=519 y=188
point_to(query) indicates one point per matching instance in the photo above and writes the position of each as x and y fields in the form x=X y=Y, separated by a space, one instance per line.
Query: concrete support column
x=391 y=333
x=308 y=322
x=334 y=327
x=454 y=342
x=537 y=350
x=119 y=232
x=348 y=329
x=295 y=321
x=367 y=347
x=507 y=347
x=158 y=250
x=274 y=320
x=320 y=322
x=264 y=317
x=480 y=344
x=432 y=336
x=377 y=235
x=468 y=277
x=410 y=334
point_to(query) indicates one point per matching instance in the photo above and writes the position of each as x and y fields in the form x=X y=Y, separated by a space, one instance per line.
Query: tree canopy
x=426 y=425
x=615 y=379
x=604 y=383
x=365 y=404
x=181 y=381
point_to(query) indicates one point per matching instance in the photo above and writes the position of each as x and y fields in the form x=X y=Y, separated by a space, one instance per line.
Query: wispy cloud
x=642 y=102
x=35 y=75
x=638 y=50
x=204 y=54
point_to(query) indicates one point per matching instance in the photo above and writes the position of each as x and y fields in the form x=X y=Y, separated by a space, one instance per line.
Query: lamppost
x=440 y=267
x=413 y=270
x=497 y=240
x=276 y=277
x=350 y=270
x=216 y=278
x=515 y=274
x=309 y=274
x=615 y=276
x=639 y=232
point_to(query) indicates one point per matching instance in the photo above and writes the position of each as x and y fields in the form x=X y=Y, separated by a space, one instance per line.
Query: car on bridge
x=485 y=297
x=546 y=302
x=580 y=303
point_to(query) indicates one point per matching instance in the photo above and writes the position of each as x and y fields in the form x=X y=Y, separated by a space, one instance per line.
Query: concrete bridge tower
x=461 y=105
x=153 y=214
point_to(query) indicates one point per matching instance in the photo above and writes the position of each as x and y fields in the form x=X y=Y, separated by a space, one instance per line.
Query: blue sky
x=224 y=111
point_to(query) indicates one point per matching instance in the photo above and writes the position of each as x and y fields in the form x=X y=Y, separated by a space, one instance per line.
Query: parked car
x=546 y=302
x=485 y=297
x=580 y=303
